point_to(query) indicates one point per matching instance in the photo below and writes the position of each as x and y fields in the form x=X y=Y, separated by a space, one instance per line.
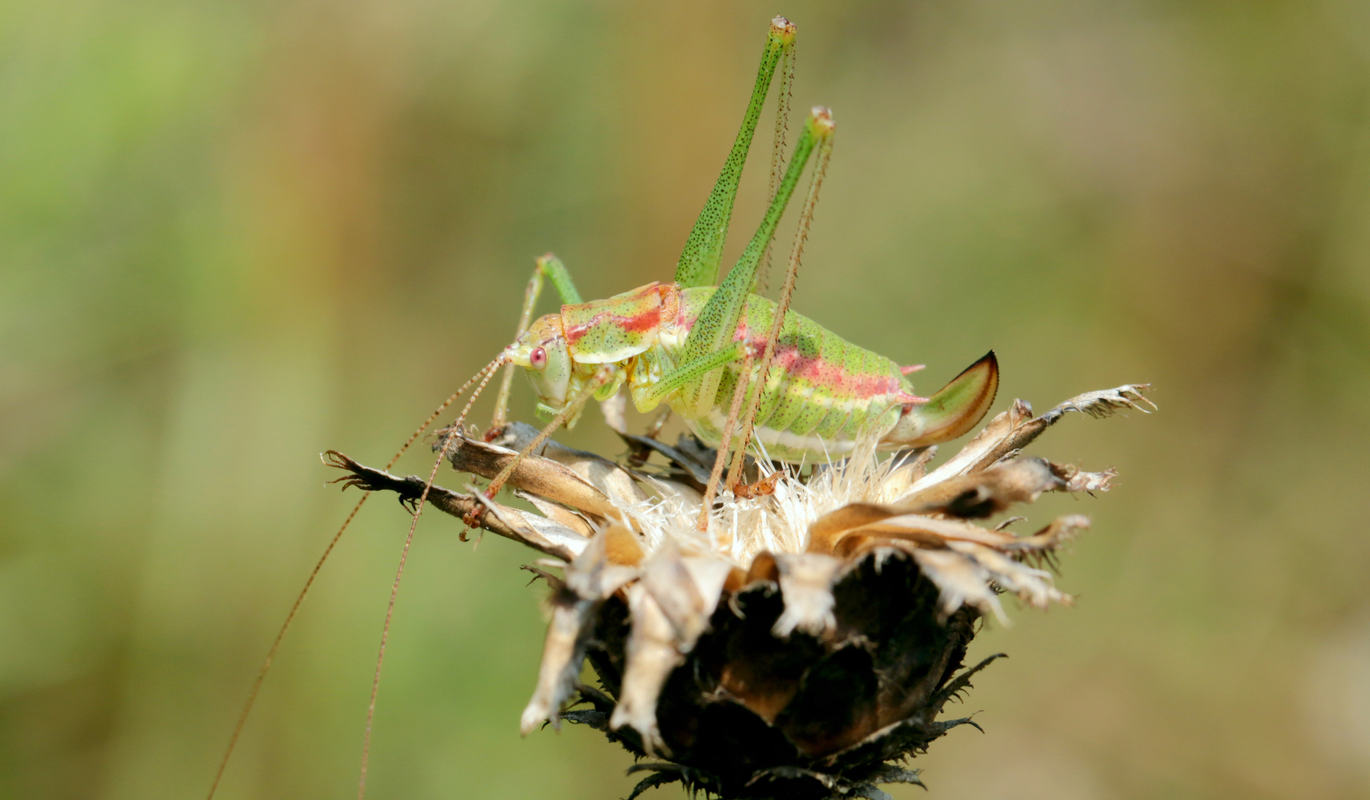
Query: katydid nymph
x=741 y=370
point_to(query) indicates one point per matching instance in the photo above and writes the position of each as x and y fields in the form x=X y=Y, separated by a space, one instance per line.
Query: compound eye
x=538 y=358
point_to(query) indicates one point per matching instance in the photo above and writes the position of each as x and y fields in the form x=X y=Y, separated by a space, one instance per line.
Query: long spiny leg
x=716 y=326
x=729 y=425
x=549 y=267
x=309 y=584
x=451 y=433
x=530 y=298
x=801 y=237
x=699 y=261
x=782 y=128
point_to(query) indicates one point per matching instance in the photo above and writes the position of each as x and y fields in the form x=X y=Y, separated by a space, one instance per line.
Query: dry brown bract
x=805 y=644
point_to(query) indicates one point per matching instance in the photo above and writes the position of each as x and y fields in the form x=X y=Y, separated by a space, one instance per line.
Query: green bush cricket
x=738 y=368
x=702 y=349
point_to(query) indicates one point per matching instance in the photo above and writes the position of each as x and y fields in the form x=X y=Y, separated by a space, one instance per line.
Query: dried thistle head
x=805 y=644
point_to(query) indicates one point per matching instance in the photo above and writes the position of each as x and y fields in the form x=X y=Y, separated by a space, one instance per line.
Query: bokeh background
x=235 y=234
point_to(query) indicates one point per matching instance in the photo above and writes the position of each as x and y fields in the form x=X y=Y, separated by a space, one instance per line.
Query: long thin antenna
x=801 y=237
x=276 y=645
x=453 y=432
x=308 y=584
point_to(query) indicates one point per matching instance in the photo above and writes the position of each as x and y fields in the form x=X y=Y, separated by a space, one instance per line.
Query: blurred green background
x=235 y=234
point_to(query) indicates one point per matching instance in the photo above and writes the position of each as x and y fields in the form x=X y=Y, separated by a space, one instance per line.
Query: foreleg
x=548 y=267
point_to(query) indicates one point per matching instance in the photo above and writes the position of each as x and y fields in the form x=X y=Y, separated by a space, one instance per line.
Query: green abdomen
x=821 y=393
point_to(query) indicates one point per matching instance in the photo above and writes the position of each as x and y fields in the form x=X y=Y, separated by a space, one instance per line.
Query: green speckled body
x=687 y=343
x=822 y=391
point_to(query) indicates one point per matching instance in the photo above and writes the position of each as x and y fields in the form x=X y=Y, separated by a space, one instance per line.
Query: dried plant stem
x=409 y=489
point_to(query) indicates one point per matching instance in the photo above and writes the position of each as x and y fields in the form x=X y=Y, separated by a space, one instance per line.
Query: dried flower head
x=805 y=643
